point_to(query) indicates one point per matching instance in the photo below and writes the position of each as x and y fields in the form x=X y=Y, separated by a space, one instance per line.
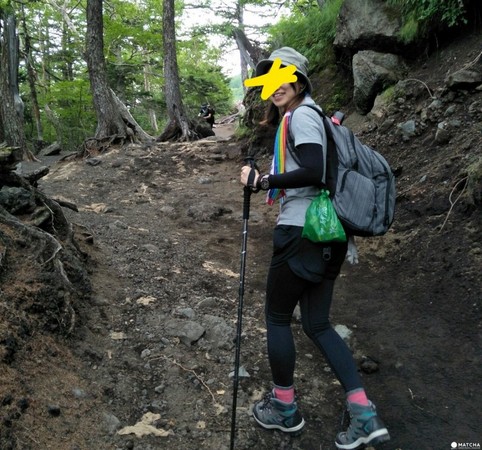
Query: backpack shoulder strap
x=328 y=132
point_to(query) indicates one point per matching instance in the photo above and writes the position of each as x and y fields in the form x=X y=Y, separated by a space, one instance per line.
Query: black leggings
x=284 y=290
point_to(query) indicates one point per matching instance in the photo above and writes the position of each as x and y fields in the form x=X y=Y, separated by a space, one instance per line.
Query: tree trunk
x=244 y=58
x=133 y=128
x=179 y=126
x=111 y=126
x=249 y=54
x=109 y=121
x=11 y=105
x=31 y=76
x=147 y=88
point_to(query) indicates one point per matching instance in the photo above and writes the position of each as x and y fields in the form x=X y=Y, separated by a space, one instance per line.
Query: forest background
x=51 y=84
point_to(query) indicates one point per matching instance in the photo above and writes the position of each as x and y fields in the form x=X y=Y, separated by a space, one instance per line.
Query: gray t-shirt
x=306 y=128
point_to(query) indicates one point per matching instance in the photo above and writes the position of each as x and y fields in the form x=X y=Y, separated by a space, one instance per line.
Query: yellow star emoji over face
x=272 y=80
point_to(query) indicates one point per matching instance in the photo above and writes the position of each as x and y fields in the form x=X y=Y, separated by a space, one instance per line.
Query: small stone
x=242 y=373
x=112 y=423
x=79 y=393
x=23 y=404
x=54 y=410
x=93 y=161
x=368 y=365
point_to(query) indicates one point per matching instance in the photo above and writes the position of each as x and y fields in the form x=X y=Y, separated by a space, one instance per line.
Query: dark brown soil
x=161 y=228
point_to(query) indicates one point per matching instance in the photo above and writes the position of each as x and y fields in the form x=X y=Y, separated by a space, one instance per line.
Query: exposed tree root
x=45 y=251
x=52 y=258
x=191 y=132
x=452 y=203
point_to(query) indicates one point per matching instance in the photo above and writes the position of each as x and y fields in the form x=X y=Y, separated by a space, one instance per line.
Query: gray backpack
x=360 y=181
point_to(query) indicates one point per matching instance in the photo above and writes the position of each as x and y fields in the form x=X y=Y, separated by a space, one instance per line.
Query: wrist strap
x=251 y=177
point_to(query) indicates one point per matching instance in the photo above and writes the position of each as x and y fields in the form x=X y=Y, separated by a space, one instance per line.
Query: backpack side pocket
x=356 y=215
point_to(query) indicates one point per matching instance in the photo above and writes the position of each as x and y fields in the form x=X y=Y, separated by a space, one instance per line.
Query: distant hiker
x=207 y=113
x=303 y=271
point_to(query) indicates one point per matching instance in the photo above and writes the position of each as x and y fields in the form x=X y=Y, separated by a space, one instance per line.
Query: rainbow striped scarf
x=279 y=157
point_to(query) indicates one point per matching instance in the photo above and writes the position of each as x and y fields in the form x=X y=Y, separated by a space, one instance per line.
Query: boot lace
x=267 y=404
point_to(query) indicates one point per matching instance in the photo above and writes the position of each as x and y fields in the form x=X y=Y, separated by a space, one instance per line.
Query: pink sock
x=358 y=396
x=286 y=395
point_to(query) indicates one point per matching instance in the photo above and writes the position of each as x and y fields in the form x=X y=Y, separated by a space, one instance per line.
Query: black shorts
x=309 y=260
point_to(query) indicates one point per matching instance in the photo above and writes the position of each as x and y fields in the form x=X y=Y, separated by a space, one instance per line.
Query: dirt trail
x=167 y=233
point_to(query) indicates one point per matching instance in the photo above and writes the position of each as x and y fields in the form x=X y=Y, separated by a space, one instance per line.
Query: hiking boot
x=272 y=413
x=365 y=428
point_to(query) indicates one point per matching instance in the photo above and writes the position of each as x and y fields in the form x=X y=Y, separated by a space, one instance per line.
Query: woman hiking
x=303 y=271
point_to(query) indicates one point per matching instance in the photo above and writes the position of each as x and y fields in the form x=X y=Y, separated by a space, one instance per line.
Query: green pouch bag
x=321 y=222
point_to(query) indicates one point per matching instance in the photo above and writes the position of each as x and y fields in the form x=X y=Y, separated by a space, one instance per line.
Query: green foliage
x=311 y=32
x=302 y=6
x=341 y=95
x=418 y=15
x=202 y=80
x=71 y=102
x=134 y=61
x=410 y=30
x=243 y=132
x=389 y=94
x=5 y=6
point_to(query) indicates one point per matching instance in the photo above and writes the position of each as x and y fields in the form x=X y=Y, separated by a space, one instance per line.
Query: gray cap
x=288 y=57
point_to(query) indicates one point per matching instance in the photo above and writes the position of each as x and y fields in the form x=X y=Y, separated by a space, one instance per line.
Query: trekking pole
x=247 y=197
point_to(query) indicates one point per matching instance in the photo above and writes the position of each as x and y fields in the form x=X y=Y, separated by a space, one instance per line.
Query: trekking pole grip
x=247 y=190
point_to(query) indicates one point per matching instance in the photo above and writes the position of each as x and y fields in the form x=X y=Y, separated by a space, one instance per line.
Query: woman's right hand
x=245 y=178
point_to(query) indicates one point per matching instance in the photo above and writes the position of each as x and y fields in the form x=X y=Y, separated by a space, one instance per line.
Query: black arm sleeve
x=310 y=172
